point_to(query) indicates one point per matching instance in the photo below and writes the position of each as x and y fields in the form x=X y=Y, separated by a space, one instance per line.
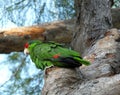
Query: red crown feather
x=26 y=45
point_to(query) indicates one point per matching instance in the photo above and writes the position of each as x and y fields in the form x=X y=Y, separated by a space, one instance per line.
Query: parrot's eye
x=26 y=45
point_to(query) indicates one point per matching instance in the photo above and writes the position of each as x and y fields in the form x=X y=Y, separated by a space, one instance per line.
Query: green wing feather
x=42 y=54
x=38 y=52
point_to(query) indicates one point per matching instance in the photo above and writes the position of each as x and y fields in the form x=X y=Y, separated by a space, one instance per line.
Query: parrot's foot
x=48 y=69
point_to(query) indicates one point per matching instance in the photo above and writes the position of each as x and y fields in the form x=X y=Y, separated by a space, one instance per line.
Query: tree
x=100 y=48
x=97 y=44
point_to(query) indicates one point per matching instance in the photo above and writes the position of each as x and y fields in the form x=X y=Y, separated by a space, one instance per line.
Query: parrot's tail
x=82 y=61
x=85 y=62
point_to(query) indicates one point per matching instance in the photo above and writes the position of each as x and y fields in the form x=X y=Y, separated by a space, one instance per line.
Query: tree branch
x=60 y=31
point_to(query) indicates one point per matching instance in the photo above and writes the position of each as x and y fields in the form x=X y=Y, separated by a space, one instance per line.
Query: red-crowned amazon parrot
x=45 y=54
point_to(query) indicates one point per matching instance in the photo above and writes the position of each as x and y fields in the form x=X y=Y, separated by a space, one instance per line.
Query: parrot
x=46 y=54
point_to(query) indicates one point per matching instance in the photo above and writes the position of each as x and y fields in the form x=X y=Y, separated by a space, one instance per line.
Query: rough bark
x=101 y=77
x=60 y=31
x=93 y=19
x=59 y=81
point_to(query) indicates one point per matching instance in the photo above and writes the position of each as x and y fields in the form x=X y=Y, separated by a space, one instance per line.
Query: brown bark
x=14 y=39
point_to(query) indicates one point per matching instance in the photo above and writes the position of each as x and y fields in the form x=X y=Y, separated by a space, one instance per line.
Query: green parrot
x=46 y=54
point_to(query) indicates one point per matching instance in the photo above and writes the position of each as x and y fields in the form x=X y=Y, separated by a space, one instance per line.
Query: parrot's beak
x=26 y=51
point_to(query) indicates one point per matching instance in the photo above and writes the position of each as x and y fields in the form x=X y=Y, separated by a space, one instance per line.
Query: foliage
x=65 y=9
x=25 y=12
x=14 y=56
x=116 y=3
x=22 y=80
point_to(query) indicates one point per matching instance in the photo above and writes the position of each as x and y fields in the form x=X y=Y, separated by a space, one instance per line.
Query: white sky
x=4 y=74
x=4 y=70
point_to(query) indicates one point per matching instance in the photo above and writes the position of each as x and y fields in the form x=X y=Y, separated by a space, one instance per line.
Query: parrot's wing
x=42 y=64
x=39 y=54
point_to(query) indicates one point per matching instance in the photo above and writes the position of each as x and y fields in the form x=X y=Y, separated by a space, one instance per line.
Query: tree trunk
x=93 y=19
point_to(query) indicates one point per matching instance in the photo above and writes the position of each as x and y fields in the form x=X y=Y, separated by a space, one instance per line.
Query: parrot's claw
x=48 y=69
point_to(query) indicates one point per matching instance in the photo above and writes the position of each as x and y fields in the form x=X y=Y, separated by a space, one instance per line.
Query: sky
x=28 y=14
x=4 y=69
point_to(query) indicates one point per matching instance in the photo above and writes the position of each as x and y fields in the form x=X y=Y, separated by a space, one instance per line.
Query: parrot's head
x=30 y=44
x=26 y=50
